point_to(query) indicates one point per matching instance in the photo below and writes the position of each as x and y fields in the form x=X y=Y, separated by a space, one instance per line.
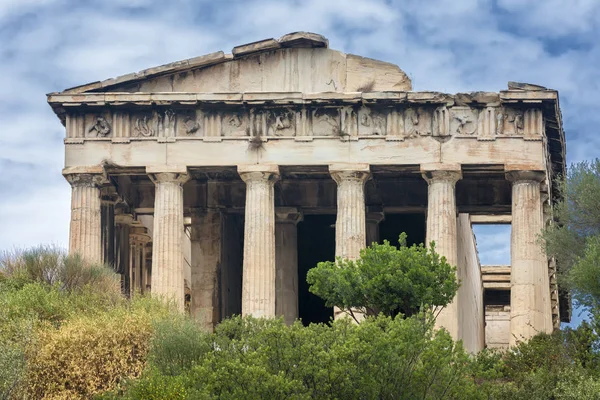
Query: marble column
x=442 y=228
x=85 y=237
x=530 y=311
x=123 y=259
x=286 y=256
x=206 y=240
x=138 y=239
x=374 y=217
x=350 y=224
x=167 y=249
x=258 y=282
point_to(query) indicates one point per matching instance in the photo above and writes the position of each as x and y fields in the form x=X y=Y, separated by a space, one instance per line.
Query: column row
x=263 y=267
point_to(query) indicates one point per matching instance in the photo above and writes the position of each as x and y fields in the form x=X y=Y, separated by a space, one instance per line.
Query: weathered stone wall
x=497 y=327
x=470 y=293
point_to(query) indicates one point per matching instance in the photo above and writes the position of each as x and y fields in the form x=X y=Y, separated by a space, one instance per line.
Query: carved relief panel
x=371 y=121
x=510 y=122
x=281 y=122
x=144 y=125
x=463 y=121
x=417 y=122
x=189 y=123
x=326 y=122
x=98 y=125
x=235 y=124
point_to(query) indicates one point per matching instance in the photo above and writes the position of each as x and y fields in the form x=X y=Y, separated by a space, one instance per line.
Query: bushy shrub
x=92 y=353
x=52 y=266
x=382 y=358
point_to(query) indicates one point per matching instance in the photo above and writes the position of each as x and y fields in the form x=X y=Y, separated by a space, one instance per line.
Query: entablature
x=398 y=116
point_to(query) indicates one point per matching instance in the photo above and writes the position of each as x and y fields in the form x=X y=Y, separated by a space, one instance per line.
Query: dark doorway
x=394 y=224
x=316 y=242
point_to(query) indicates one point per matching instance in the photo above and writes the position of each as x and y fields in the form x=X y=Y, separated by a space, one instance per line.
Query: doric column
x=258 y=282
x=374 y=217
x=530 y=311
x=441 y=227
x=206 y=239
x=85 y=236
x=109 y=198
x=123 y=259
x=167 y=249
x=350 y=224
x=286 y=255
x=138 y=238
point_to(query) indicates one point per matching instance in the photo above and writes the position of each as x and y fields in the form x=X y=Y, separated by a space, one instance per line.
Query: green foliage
x=257 y=358
x=177 y=345
x=575 y=239
x=386 y=279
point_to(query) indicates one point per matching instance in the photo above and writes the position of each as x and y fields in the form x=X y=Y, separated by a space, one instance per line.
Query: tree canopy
x=386 y=279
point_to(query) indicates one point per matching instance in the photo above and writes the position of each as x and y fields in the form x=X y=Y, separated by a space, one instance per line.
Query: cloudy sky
x=444 y=45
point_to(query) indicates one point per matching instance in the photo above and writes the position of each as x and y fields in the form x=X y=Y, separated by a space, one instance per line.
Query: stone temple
x=221 y=179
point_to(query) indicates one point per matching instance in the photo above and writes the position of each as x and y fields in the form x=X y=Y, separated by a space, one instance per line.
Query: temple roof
x=296 y=62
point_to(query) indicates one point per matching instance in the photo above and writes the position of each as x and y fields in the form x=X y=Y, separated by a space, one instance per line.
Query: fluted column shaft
x=442 y=229
x=286 y=245
x=206 y=238
x=167 y=250
x=85 y=236
x=350 y=224
x=530 y=310
x=258 y=281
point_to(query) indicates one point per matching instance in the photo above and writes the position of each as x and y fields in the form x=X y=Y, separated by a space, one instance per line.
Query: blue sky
x=444 y=45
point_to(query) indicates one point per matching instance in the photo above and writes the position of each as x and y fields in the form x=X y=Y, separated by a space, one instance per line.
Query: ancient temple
x=218 y=181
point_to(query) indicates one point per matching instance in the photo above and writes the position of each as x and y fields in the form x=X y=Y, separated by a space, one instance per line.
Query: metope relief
x=371 y=122
x=235 y=124
x=510 y=122
x=463 y=121
x=326 y=122
x=144 y=125
x=100 y=127
x=417 y=122
x=281 y=122
x=189 y=123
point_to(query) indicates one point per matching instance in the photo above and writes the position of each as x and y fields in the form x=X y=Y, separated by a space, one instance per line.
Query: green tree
x=574 y=240
x=386 y=279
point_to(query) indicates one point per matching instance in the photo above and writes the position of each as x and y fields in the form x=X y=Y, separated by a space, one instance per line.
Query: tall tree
x=386 y=279
x=574 y=240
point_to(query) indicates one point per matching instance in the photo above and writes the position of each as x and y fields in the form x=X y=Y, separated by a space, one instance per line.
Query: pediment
x=297 y=62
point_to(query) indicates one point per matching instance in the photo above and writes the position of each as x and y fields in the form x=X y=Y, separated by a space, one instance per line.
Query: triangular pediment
x=297 y=62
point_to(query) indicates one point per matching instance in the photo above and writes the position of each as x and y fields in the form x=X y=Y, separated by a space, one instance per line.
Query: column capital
x=525 y=176
x=258 y=172
x=86 y=179
x=436 y=172
x=290 y=215
x=176 y=174
x=360 y=172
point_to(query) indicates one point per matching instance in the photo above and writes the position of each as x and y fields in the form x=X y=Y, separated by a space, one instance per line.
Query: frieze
x=371 y=121
x=144 y=125
x=390 y=121
x=463 y=121
x=99 y=128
